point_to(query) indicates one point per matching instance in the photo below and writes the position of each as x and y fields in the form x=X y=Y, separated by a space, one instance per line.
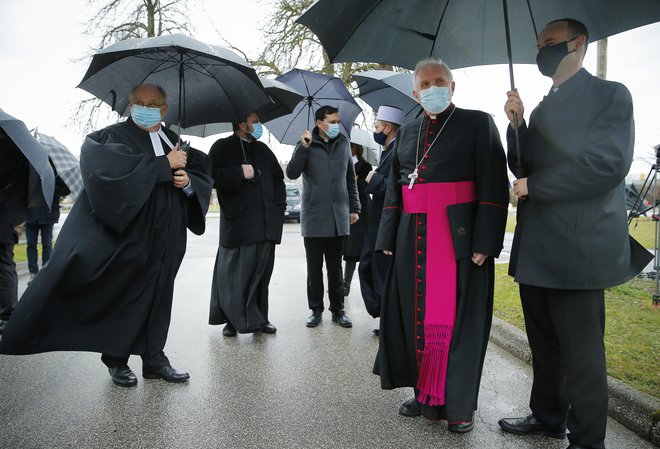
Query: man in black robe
x=108 y=286
x=374 y=264
x=250 y=186
x=571 y=239
x=444 y=217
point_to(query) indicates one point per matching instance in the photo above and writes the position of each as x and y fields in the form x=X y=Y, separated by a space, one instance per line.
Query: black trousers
x=8 y=281
x=330 y=248
x=153 y=361
x=565 y=329
x=32 y=231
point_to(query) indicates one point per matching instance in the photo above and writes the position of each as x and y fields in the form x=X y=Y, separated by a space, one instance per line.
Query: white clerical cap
x=390 y=114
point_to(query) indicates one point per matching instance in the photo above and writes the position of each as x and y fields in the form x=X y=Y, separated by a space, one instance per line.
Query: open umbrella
x=205 y=83
x=34 y=152
x=282 y=101
x=371 y=148
x=384 y=87
x=318 y=90
x=65 y=162
x=462 y=33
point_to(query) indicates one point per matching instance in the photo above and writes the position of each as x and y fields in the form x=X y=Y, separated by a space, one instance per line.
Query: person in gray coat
x=330 y=204
x=571 y=239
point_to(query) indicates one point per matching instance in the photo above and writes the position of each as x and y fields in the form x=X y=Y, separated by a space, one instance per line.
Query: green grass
x=632 y=329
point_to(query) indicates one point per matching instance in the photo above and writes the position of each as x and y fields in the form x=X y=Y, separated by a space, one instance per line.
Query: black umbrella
x=34 y=152
x=318 y=90
x=283 y=99
x=462 y=33
x=384 y=87
x=206 y=83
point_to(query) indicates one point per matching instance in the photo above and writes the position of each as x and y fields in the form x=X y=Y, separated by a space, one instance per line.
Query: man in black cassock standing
x=108 y=286
x=571 y=239
x=250 y=186
x=443 y=220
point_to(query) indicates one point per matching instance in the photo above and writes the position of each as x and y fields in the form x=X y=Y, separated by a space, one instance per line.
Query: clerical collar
x=442 y=115
x=156 y=142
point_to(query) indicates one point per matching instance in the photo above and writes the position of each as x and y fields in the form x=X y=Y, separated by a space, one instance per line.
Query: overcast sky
x=41 y=41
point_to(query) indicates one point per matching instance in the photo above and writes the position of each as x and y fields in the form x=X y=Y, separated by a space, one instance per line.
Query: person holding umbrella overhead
x=250 y=187
x=330 y=204
x=109 y=283
x=443 y=220
x=571 y=240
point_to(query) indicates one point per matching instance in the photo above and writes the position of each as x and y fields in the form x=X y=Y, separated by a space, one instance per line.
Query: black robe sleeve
x=393 y=206
x=198 y=168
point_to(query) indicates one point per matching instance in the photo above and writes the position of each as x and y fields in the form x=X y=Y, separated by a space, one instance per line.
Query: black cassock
x=109 y=283
x=467 y=151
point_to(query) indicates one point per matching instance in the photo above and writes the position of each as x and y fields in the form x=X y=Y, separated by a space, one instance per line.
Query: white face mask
x=435 y=99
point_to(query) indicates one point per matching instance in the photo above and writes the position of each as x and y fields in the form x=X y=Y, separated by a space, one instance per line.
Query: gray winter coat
x=329 y=192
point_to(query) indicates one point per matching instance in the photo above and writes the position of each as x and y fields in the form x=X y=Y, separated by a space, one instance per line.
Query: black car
x=292 y=202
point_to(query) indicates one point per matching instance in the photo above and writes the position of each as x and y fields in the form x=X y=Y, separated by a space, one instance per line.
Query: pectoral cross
x=413 y=178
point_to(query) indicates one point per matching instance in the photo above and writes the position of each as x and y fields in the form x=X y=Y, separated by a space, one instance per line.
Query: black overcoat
x=109 y=283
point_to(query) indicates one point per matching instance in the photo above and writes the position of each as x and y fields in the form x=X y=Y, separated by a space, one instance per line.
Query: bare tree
x=116 y=20
x=288 y=45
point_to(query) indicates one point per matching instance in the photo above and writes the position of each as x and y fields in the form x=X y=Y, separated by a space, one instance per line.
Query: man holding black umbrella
x=330 y=204
x=571 y=239
x=109 y=284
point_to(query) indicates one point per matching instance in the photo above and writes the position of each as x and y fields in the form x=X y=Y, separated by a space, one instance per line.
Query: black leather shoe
x=341 y=319
x=461 y=427
x=167 y=373
x=529 y=425
x=376 y=332
x=411 y=408
x=228 y=330
x=314 y=319
x=123 y=376
x=268 y=328
x=3 y=326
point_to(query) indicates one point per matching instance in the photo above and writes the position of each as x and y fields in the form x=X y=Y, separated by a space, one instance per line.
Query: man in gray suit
x=571 y=239
x=330 y=204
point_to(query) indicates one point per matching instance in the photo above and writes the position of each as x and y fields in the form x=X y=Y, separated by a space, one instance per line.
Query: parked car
x=292 y=202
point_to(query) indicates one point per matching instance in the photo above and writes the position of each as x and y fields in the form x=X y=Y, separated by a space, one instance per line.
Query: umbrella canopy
x=384 y=87
x=371 y=148
x=33 y=151
x=318 y=90
x=65 y=162
x=462 y=33
x=204 y=83
x=282 y=101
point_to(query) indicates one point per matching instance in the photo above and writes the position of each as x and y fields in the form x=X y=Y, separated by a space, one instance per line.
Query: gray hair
x=160 y=90
x=428 y=62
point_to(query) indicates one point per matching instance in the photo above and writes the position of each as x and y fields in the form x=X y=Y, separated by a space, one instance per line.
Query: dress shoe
x=461 y=426
x=228 y=330
x=411 y=408
x=123 y=376
x=341 y=319
x=314 y=319
x=529 y=425
x=3 y=326
x=167 y=373
x=268 y=328
x=376 y=332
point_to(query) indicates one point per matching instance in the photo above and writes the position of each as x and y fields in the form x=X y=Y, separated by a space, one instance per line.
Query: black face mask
x=380 y=138
x=548 y=58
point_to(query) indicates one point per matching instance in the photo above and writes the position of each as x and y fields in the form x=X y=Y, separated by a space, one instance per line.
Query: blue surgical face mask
x=435 y=99
x=144 y=116
x=257 y=130
x=333 y=130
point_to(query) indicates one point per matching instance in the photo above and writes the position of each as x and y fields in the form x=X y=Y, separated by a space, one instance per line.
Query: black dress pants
x=8 y=281
x=565 y=329
x=316 y=248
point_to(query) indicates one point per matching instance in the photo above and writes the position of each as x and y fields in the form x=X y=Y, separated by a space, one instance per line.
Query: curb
x=630 y=407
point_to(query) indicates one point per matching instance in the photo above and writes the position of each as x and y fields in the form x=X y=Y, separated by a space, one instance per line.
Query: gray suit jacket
x=329 y=190
x=572 y=231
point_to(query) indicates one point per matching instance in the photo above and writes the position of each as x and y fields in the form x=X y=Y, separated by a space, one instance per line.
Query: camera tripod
x=637 y=209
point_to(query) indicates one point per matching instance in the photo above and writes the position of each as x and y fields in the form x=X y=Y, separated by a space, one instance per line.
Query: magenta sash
x=432 y=199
